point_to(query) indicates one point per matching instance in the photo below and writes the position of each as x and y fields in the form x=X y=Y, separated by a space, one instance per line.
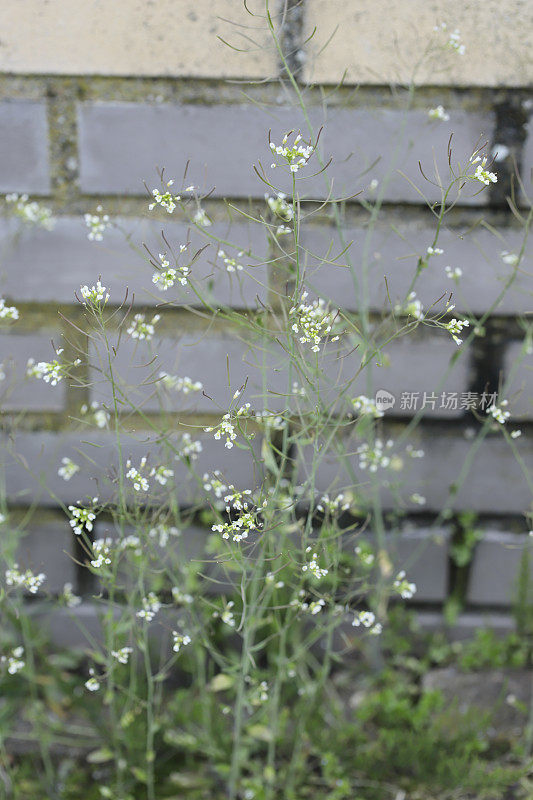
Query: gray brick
x=31 y=461
x=495 y=569
x=394 y=248
x=17 y=392
x=24 y=151
x=121 y=144
x=48 y=547
x=495 y=482
x=413 y=363
x=519 y=391
x=200 y=357
x=423 y=554
x=59 y=261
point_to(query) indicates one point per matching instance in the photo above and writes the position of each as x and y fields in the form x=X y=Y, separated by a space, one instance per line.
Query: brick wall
x=91 y=103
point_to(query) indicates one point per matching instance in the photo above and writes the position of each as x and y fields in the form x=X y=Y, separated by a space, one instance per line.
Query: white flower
x=279 y=206
x=49 y=371
x=82 y=518
x=14 y=661
x=140 y=483
x=231 y=264
x=139 y=329
x=200 y=218
x=294 y=157
x=372 y=458
x=313 y=567
x=31 y=213
x=434 y=251
x=97 y=224
x=167 y=276
x=122 y=655
x=100 y=416
x=92 y=684
x=179 y=640
x=189 y=447
x=364 y=405
x=68 y=470
x=185 y=384
x=418 y=499
x=226 y=427
x=499 y=414
x=453 y=272
x=405 y=589
x=181 y=597
x=165 y=199
x=481 y=174
x=313 y=321
x=163 y=532
x=150 y=607
x=438 y=113
x=510 y=258
x=102 y=551
x=28 y=579
x=332 y=505
x=368 y=620
x=8 y=312
x=412 y=308
x=516 y=434
x=72 y=600
x=95 y=295
x=366 y=557
x=161 y=474
x=455 y=326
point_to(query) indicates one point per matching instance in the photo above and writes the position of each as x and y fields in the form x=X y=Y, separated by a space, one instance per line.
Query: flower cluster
x=100 y=416
x=226 y=426
x=14 y=660
x=161 y=474
x=231 y=264
x=139 y=329
x=200 y=218
x=97 y=224
x=180 y=640
x=95 y=295
x=259 y=693
x=455 y=326
x=368 y=620
x=365 y=555
x=189 y=447
x=482 y=174
x=364 y=405
x=214 y=484
x=279 y=206
x=313 y=607
x=150 y=607
x=185 y=384
x=140 y=483
x=438 y=113
x=454 y=40
x=405 y=589
x=372 y=458
x=227 y=616
x=332 y=505
x=163 y=532
x=412 y=308
x=122 y=655
x=509 y=258
x=181 y=597
x=82 y=518
x=245 y=523
x=49 y=371
x=453 y=272
x=499 y=414
x=102 y=551
x=72 y=600
x=28 y=579
x=313 y=567
x=165 y=199
x=8 y=312
x=92 y=684
x=296 y=155
x=32 y=213
x=68 y=470
x=434 y=251
x=166 y=277
x=313 y=321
